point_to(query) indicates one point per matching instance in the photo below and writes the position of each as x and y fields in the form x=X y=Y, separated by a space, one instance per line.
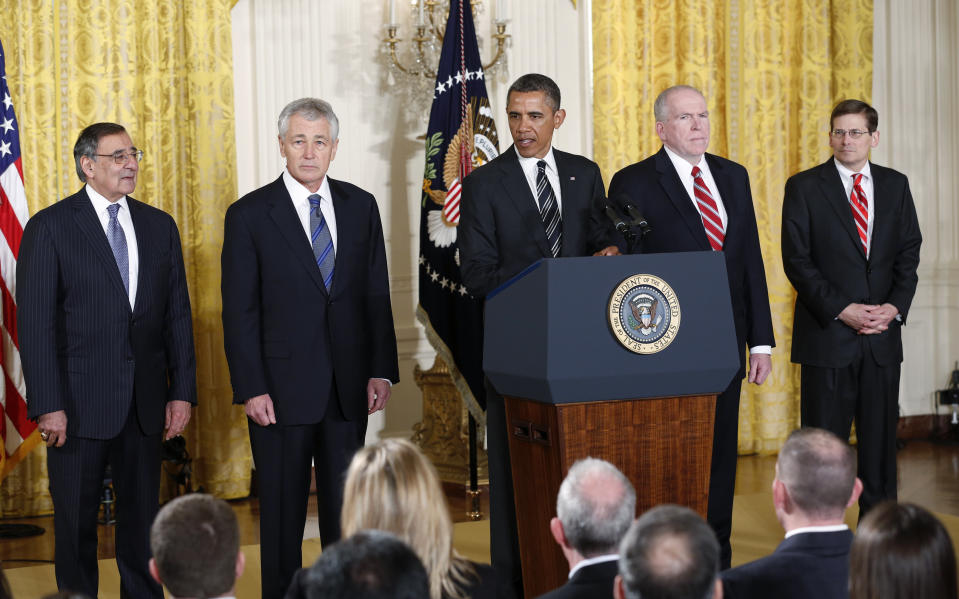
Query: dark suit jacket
x=284 y=333
x=83 y=349
x=654 y=187
x=813 y=564
x=824 y=260
x=589 y=582
x=501 y=231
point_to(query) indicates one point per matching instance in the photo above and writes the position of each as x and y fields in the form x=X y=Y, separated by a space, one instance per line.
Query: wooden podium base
x=663 y=445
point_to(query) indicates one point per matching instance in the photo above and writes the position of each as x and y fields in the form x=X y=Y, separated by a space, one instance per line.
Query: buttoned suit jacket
x=83 y=349
x=653 y=186
x=812 y=564
x=588 y=582
x=284 y=333
x=501 y=231
x=824 y=260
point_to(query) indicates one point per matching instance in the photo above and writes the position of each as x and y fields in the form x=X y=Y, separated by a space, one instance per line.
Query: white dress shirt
x=530 y=168
x=590 y=561
x=301 y=202
x=846 y=176
x=826 y=528
x=100 y=205
x=685 y=171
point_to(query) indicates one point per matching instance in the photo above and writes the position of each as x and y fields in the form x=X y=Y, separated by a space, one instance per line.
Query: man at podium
x=695 y=201
x=530 y=202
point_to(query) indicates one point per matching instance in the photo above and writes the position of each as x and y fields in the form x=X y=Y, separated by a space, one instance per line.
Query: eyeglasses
x=853 y=133
x=120 y=158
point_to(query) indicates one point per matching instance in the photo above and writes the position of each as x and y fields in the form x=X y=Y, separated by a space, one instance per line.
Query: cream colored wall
x=915 y=85
x=285 y=49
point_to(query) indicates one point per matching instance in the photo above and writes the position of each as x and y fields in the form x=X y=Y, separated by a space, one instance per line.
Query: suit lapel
x=146 y=251
x=89 y=225
x=882 y=207
x=834 y=192
x=572 y=191
x=517 y=189
x=291 y=229
x=677 y=194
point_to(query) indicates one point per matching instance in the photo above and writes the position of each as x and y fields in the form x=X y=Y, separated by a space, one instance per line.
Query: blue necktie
x=322 y=241
x=548 y=210
x=118 y=242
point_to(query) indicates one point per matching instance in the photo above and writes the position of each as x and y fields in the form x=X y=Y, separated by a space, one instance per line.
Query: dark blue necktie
x=118 y=242
x=548 y=210
x=322 y=241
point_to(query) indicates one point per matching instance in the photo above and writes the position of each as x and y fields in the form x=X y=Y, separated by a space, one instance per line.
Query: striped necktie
x=322 y=241
x=548 y=210
x=709 y=210
x=118 y=243
x=860 y=211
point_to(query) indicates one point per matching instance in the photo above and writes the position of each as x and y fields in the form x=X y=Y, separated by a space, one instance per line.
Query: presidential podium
x=619 y=358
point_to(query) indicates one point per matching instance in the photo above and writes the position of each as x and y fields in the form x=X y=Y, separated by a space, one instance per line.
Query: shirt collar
x=682 y=165
x=100 y=203
x=827 y=528
x=300 y=194
x=530 y=164
x=599 y=559
x=847 y=174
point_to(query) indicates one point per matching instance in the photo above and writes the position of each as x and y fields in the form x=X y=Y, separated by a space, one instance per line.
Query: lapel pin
x=572 y=178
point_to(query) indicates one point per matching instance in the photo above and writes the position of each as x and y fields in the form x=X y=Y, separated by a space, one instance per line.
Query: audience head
x=195 y=542
x=371 y=564
x=815 y=476
x=901 y=551
x=392 y=486
x=594 y=508
x=669 y=553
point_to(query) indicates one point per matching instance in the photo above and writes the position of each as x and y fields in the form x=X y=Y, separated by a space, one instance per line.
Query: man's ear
x=856 y=492
x=618 y=592
x=240 y=563
x=781 y=499
x=154 y=571
x=718 y=589
x=559 y=535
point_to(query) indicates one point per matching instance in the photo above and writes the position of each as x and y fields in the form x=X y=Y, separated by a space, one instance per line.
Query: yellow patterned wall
x=771 y=71
x=163 y=69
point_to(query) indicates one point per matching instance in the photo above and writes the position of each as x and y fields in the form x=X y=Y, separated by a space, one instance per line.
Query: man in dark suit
x=530 y=202
x=850 y=245
x=594 y=508
x=106 y=341
x=815 y=483
x=696 y=201
x=308 y=330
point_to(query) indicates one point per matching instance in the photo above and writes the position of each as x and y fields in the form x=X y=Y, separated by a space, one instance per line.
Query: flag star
x=462 y=289
x=444 y=282
x=440 y=88
x=7 y=101
x=6 y=125
x=449 y=81
x=422 y=259
x=434 y=276
x=479 y=74
x=5 y=148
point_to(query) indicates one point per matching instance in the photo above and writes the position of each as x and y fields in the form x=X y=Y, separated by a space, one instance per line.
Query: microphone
x=638 y=219
x=616 y=219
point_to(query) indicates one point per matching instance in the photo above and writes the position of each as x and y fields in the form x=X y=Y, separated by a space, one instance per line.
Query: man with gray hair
x=669 y=553
x=815 y=483
x=594 y=508
x=308 y=330
x=195 y=542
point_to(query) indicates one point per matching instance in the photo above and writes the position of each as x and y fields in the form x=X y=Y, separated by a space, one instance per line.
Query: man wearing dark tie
x=529 y=203
x=106 y=341
x=850 y=245
x=308 y=330
x=696 y=201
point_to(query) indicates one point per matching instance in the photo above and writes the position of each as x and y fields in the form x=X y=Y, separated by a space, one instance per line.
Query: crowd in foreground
x=398 y=539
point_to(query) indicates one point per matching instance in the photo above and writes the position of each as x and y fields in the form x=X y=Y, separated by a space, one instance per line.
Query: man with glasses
x=850 y=246
x=106 y=342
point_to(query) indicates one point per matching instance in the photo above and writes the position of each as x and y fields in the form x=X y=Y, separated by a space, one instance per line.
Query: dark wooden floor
x=928 y=475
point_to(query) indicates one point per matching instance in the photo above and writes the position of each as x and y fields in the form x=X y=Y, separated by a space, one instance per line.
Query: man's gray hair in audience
x=596 y=504
x=669 y=553
x=195 y=540
x=819 y=471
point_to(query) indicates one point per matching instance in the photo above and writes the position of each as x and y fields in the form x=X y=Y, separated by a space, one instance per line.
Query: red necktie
x=860 y=211
x=709 y=211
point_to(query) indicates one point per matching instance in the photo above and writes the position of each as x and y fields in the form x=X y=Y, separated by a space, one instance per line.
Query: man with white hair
x=594 y=508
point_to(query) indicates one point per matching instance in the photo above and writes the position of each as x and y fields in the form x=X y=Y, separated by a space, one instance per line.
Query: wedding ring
x=44 y=435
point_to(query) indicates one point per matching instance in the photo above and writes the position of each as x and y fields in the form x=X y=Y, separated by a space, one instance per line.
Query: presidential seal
x=644 y=314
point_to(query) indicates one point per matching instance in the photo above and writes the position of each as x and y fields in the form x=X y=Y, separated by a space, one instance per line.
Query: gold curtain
x=771 y=71
x=163 y=69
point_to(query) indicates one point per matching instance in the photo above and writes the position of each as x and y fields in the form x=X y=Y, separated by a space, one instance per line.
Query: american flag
x=18 y=433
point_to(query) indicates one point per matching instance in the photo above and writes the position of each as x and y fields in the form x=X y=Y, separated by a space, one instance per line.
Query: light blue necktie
x=322 y=241
x=118 y=242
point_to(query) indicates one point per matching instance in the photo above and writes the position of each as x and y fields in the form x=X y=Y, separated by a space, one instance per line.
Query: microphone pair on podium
x=628 y=226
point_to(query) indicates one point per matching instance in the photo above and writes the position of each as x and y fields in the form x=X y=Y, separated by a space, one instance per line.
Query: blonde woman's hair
x=391 y=486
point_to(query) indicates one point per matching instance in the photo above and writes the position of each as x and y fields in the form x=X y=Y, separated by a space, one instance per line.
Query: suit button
x=869 y=271
x=129 y=358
